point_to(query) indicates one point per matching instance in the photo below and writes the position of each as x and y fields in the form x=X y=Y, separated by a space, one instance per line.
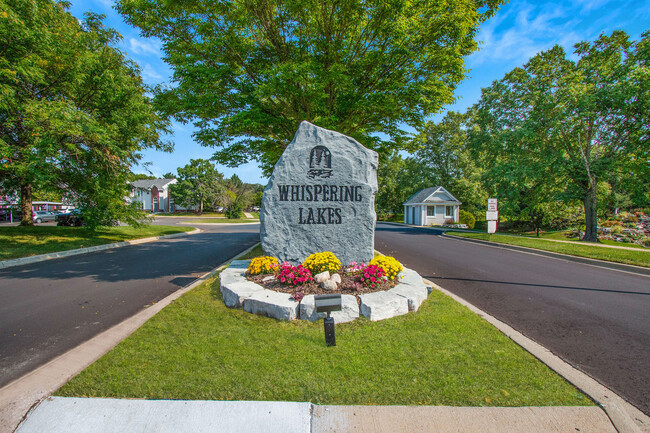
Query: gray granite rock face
x=235 y=287
x=415 y=294
x=321 y=197
x=349 y=309
x=383 y=305
x=268 y=303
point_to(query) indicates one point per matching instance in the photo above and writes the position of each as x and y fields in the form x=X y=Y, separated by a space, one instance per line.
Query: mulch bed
x=349 y=285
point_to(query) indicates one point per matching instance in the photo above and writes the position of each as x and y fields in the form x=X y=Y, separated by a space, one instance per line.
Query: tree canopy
x=575 y=122
x=74 y=113
x=248 y=72
x=199 y=183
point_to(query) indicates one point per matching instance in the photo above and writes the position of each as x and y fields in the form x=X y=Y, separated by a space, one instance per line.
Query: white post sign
x=492 y=215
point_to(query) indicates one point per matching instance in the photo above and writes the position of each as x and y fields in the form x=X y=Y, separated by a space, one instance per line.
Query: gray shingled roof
x=423 y=194
x=150 y=183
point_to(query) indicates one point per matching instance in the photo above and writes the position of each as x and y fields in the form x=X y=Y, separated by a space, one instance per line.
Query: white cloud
x=150 y=75
x=521 y=30
x=106 y=3
x=141 y=46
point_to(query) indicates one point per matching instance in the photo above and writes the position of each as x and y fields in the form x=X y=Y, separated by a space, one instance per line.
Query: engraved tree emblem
x=320 y=162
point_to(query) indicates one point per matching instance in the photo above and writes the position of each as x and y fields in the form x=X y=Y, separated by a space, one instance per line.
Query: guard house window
x=449 y=211
x=431 y=211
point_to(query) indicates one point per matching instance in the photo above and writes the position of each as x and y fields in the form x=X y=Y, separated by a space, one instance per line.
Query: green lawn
x=221 y=221
x=561 y=236
x=639 y=258
x=193 y=215
x=29 y=241
x=196 y=348
x=392 y=218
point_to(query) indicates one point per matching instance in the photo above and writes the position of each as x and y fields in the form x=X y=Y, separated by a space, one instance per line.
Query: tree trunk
x=26 y=205
x=201 y=207
x=591 y=218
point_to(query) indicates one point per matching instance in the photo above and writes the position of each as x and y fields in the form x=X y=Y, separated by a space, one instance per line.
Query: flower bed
x=266 y=295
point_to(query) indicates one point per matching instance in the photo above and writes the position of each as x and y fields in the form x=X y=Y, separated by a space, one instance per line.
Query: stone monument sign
x=321 y=197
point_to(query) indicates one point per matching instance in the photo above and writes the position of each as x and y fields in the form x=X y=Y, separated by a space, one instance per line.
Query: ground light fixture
x=327 y=304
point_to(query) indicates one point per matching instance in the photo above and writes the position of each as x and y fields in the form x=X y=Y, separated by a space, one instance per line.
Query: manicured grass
x=639 y=258
x=29 y=241
x=257 y=251
x=196 y=348
x=221 y=221
x=193 y=215
x=561 y=236
x=393 y=218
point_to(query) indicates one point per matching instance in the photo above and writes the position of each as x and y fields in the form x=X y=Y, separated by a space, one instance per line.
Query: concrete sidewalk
x=98 y=415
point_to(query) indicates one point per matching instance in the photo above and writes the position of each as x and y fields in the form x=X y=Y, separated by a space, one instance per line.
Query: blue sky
x=518 y=31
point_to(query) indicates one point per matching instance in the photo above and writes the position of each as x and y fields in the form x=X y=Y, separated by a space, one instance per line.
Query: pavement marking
x=19 y=397
x=535 y=252
x=57 y=255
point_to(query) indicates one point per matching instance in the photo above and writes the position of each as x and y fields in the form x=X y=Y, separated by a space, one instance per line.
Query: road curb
x=593 y=262
x=20 y=397
x=625 y=417
x=57 y=255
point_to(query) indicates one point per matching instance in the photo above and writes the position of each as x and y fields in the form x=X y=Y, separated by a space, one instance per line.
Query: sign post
x=492 y=215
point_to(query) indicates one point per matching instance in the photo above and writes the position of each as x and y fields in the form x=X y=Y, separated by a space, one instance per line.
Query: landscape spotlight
x=327 y=304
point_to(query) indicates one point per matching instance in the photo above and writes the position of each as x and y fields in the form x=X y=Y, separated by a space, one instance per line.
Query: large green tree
x=247 y=72
x=199 y=183
x=74 y=113
x=444 y=152
x=237 y=196
x=572 y=121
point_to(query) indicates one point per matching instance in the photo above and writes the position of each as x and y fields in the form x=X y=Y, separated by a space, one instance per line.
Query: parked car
x=40 y=216
x=74 y=218
x=5 y=215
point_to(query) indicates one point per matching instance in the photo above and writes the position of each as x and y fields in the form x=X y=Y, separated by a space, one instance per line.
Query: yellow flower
x=262 y=265
x=391 y=267
x=319 y=262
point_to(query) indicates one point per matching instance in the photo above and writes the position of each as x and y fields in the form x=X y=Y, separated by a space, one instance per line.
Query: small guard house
x=431 y=206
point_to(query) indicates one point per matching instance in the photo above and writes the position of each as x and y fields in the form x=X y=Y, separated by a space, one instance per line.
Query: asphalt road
x=50 y=307
x=597 y=319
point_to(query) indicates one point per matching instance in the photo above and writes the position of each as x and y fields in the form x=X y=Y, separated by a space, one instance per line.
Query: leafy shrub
x=263 y=265
x=389 y=265
x=293 y=275
x=467 y=218
x=321 y=262
x=611 y=223
x=371 y=275
x=618 y=229
x=234 y=211
x=646 y=242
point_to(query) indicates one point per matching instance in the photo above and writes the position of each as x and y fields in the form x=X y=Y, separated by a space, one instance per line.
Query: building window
x=431 y=211
x=449 y=211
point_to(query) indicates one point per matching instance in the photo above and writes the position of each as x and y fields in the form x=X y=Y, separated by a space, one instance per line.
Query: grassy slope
x=639 y=258
x=28 y=241
x=196 y=348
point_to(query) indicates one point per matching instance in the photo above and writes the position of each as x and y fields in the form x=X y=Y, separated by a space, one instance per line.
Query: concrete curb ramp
x=50 y=256
x=84 y=415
